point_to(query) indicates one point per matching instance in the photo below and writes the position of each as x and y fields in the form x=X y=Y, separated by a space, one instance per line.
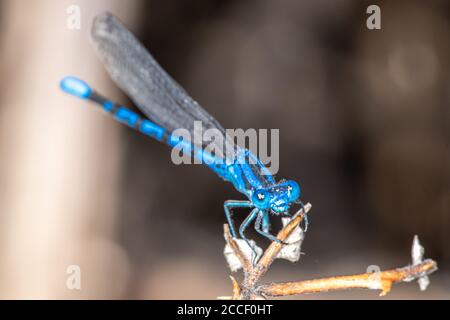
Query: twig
x=270 y=254
x=380 y=280
x=383 y=280
x=252 y=274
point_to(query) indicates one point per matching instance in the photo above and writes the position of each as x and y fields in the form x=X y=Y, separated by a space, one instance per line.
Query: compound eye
x=293 y=190
x=261 y=199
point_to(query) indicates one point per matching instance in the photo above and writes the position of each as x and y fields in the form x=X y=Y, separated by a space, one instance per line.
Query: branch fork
x=250 y=289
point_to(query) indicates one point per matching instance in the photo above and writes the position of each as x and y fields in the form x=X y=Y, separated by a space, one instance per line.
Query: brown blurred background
x=364 y=119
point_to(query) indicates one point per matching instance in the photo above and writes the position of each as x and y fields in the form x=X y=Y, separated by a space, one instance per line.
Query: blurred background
x=364 y=119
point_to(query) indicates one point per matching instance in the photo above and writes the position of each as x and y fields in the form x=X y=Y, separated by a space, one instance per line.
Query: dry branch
x=383 y=280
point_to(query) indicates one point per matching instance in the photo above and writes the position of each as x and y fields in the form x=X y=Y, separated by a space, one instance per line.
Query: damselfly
x=169 y=107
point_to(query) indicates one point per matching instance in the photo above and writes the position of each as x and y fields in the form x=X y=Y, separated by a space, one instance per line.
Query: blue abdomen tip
x=76 y=87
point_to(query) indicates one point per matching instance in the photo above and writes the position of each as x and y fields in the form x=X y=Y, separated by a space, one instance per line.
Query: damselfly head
x=277 y=198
